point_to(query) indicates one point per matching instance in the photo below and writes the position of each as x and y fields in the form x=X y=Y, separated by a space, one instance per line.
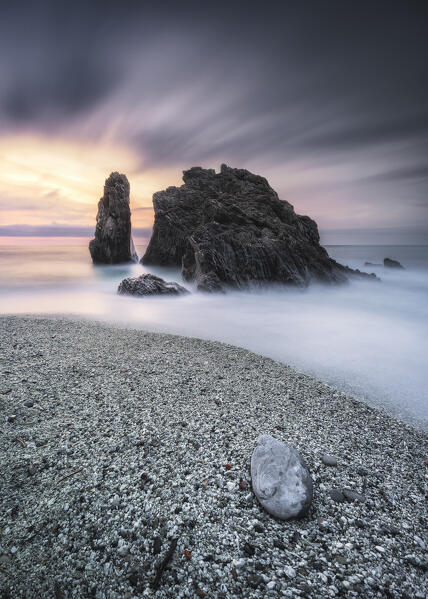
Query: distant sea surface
x=366 y=338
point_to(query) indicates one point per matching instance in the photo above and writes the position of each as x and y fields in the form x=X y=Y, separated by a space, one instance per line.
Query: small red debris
x=228 y=467
x=426 y=462
x=187 y=554
x=205 y=483
x=242 y=484
x=140 y=443
x=199 y=592
x=234 y=574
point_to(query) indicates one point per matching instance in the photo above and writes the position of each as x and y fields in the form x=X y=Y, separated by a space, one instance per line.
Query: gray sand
x=125 y=473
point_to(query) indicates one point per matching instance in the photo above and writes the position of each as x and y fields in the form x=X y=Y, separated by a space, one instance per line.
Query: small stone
x=13 y=549
x=279 y=544
x=157 y=544
x=290 y=572
x=123 y=550
x=239 y=563
x=271 y=585
x=329 y=460
x=351 y=495
x=295 y=537
x=389 y=529
x=29 y=404
x=259 y=528
x=413 y=561
x=281 y=481
x=249 y=550
x=254 y=580
x=322 y=523
x=11 y=418
x=380 y=549
x=337 y=495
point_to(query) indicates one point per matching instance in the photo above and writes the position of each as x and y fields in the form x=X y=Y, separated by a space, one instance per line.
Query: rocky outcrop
x=231 y=229
x=389 y=263
x=280 y=479
x=149 y=285
x=112 y=243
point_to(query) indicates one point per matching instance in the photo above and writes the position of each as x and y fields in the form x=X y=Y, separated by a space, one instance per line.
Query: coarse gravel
x=124 y=468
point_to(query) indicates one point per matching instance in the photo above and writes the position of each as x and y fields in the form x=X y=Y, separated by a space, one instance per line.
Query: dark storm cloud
x=71 y=86
x=338 y=61
x=188 y=83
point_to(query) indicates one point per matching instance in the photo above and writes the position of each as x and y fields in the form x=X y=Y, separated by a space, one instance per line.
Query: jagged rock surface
x=231 y=229
x=149 y=285
x=280 y=479
x=112 y=243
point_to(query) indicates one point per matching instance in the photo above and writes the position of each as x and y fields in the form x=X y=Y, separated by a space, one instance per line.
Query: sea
x=366 y=338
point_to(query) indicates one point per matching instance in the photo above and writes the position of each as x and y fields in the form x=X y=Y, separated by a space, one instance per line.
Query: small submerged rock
x=149 y=285
x=281 y=481
x=389 y=263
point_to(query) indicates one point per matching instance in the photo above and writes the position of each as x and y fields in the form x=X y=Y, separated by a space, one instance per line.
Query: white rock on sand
x=280 y=479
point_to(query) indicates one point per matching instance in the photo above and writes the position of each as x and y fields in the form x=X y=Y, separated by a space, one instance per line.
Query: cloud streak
x=326 y=99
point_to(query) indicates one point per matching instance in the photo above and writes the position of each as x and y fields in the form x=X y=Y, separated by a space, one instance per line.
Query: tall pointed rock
x=112 y=243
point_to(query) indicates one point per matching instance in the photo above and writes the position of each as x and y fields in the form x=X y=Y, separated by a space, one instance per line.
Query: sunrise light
x=51 y=180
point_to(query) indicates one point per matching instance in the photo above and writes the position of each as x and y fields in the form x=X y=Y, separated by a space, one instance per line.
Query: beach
x=125 y=473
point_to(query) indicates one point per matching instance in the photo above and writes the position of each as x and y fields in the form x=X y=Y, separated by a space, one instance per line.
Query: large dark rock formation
x=113 y=243
x=231 y=229
x=149 y=285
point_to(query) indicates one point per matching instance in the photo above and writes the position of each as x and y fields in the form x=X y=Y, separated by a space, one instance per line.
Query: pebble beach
x=124 y=468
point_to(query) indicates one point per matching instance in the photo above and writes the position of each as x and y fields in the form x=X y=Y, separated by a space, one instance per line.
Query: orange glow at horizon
x=45 y=180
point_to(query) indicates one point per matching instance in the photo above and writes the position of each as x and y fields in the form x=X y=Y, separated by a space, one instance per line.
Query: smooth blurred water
x=366 y=338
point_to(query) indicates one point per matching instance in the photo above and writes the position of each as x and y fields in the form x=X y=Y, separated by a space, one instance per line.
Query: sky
x=328 y=100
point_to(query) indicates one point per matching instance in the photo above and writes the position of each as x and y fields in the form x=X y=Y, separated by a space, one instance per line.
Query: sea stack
x=112 y=243
x=230 y=229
